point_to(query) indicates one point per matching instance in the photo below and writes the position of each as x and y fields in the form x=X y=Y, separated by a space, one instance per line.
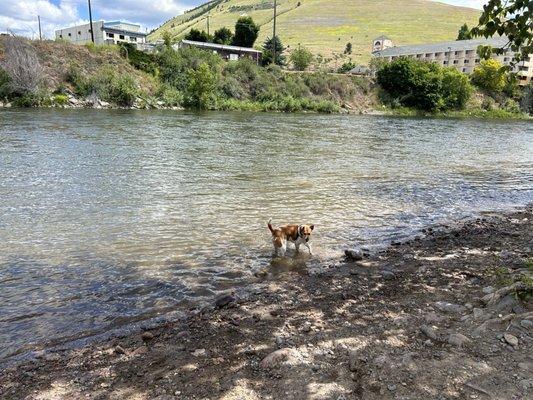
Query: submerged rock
x=354 y=255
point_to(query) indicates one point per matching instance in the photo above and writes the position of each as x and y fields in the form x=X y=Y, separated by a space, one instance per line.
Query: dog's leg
x=283 y=248
x=308 y=245
x=297 y=246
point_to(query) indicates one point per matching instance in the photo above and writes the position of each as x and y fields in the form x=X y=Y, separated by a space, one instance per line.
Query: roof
x=112 y=29
x=207 y=45
x=120 y=23
x=360 y=69
x=457 y=45
x=383 y=37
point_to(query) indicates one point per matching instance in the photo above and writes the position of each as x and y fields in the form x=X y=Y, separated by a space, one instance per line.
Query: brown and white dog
x=297 y=234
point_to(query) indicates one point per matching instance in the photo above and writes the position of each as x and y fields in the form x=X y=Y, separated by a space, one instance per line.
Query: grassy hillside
x=325 y=26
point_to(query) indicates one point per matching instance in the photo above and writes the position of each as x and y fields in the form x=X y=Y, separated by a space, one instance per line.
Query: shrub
x=198 y=36
x=268 y=51
x=61 y=99
x=21 y=64
x=487 y=104
x=139 y=59
x=346 y=67
x=170 y=96
x=301 y=58
x=526 y=102
x=425 y=86
x=5 y=88
x=223 y=36
x=201 y=87
x=489 y=75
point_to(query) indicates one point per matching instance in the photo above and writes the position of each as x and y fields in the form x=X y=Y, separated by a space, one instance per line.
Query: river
x=110 y=217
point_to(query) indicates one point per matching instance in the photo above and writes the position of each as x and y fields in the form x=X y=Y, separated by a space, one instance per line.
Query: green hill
x=325 y=26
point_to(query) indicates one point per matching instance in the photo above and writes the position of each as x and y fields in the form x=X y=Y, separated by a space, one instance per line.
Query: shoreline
x=336 y=322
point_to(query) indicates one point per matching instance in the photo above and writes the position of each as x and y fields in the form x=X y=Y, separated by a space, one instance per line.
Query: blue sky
x=20 y=16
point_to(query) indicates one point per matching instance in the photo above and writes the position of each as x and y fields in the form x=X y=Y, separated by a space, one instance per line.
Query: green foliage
x=246 y=32
x=223 y=36
x=489 y=75
x=171 y=96
x=376 y=63
x=61 y=99
x=26 y=100
x=346 y=67
x=5 y=89
x=107 y=84
x=201 y=87
x=484 y=52
x=268 y=51
x=139 y=59
x=464 y=33
x=198 y=36
x=424 y=86
x=301 y=58
x=167 y=39
x=511 y=18
x=526 y=102
x=348 y=48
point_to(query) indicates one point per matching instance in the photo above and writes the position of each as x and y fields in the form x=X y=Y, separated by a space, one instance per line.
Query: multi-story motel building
x=104 y=33
x=461 y=54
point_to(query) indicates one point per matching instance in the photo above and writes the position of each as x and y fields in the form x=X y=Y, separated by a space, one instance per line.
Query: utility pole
x=208 y=24
x=274 y=35
x=40 y=34
x=91 y=21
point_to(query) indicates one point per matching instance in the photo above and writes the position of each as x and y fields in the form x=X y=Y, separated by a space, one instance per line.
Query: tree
x=348 y=49
x=464 y=33
x=301 y=58
x=167 y=39
x=197 y=36
x=425 y=86
x=201 y=87
x=489 y=75
x=268 y=51
x=511 y=18
x=223 y=36
x=246 y=32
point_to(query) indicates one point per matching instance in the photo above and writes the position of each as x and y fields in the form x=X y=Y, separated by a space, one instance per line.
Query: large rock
x=224 y=300
x=510 y=339
x=429 y=332
x=458 y=339
x=354 y=255
x=285 y=356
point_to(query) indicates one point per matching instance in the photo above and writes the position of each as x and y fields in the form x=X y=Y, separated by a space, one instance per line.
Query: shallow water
x=107 y=217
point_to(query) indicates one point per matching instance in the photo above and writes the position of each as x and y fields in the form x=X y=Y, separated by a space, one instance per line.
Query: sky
x=20 y=16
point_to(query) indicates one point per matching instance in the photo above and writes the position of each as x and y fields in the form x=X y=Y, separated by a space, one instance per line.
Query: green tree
x=198 y=36
x=223 y=36
x=464 y=33
x=348 y=49
x=301 y=58
x=246 y=32
x=201 y=87
x=489 y=75
x=167 y=39
x=511 y=18
x=268 y=51
x=425 y=86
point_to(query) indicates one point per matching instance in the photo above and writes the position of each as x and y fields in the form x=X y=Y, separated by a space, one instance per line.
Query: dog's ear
x=312 y=227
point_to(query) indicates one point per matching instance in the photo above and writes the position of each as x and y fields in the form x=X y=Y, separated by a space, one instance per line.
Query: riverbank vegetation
x=56 y=73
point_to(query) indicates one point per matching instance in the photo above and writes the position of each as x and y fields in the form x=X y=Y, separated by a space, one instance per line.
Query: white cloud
x=20 y=16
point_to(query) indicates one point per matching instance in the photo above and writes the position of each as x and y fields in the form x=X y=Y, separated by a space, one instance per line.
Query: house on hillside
x=113 y=32
x=230 y=53
x=459 y=54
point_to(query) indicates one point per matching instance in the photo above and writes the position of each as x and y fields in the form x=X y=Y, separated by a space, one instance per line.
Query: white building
x=460 y=54
x=104 y=33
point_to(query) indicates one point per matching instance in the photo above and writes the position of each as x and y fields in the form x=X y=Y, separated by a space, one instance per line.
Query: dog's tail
x=270 y=225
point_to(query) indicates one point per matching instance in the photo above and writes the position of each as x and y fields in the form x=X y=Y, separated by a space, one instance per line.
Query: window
x=505 y=59
x=132 y=39
x=469 y=52
x=79 y=32
x=233 y=57
x=467 y=61
x=524 y=68
x=90 y=30
x=456 y=61
x=445 y=62
x=70 y=34
x=121 y=37
x=447 y=53
x=477 y=61
x=464 y=69
x=428 y=55
x=419 y=56
x=523 y=77
x=378 y=43
x=61 y=36
x=527 y=59
x=111 y=35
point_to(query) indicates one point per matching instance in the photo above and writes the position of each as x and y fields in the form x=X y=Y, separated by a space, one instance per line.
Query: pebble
x=147 y=336
x=120 y=350
x=392 y=388
x=429 y=332
x=279 y=357
x=449 y=307
x=510 y=339
x=488 y=290
x=457 y=339
x=224 y=300
x=526 y=323
x=353 y=255
x=199 y=352
x=388 y=275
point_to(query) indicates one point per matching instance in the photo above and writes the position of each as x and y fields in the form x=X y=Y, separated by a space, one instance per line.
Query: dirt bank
x=446 y=316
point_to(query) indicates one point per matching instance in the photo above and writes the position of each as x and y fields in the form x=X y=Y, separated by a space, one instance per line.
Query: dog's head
x=305 y=231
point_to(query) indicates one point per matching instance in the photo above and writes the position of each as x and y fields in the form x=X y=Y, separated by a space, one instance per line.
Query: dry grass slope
x=325 y=26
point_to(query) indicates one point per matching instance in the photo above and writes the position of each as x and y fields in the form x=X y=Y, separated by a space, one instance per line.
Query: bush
x=424 y=86
x=21 y=64
x=198 y=36
x=223 y=36
x=526 y=102
x=489 y=75
x=170 y=96
x=346 y=67
x=246 y=32
x=301 y=58
x=5 y=88
x=201 y=88
x=61 y=99
x=139 y=59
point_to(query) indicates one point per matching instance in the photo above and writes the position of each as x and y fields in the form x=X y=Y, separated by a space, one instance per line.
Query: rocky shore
x=448 y=315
